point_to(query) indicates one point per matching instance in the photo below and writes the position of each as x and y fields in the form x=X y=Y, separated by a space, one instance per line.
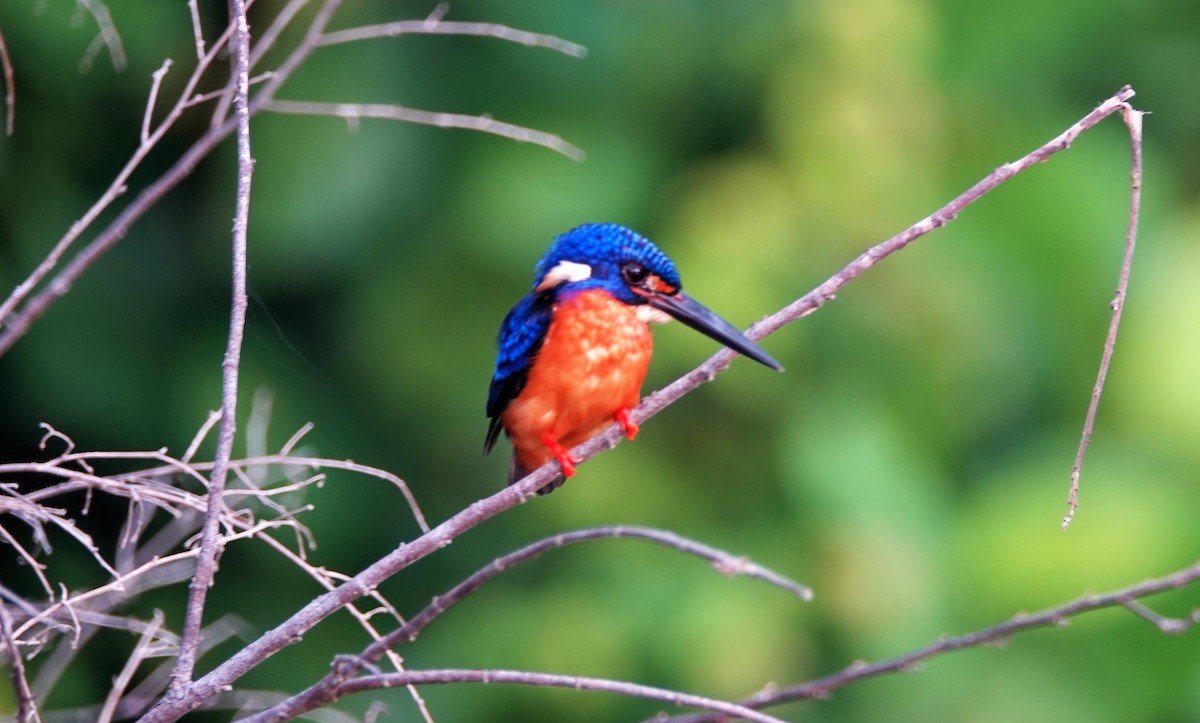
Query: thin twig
x=197 y=28
x=292 y=629
x=108 y=34
x=333 y=685
x=10 y=88
x=31 y=561
x=292 y=460
x=573 y=682
x=121 y=682
x=1053 y=617
x=155 y=82
x=441 y=27
x=153 y=684
x=27 y=711
x=1166 y=625
x=211 y=541
x=1133 y=119
x=14 y=323
x=201 y=434
x=352 y=112
x=265 y=42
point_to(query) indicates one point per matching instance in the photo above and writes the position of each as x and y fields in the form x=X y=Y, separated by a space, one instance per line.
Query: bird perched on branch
x=574 y=352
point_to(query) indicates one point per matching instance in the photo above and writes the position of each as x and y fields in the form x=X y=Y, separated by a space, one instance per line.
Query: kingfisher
x=574 y=352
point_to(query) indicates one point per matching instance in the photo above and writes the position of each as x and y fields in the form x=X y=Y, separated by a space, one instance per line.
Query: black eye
x=634 y=272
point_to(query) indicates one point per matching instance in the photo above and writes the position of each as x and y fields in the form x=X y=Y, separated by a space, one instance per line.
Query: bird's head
x=634 y=271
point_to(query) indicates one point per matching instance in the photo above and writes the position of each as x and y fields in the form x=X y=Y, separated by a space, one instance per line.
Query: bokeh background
x=911 y=465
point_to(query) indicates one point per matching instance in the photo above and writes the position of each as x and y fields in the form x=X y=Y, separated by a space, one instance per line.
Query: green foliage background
x=911 y=465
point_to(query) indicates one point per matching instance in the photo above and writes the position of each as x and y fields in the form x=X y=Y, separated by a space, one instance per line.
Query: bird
x=573 y=353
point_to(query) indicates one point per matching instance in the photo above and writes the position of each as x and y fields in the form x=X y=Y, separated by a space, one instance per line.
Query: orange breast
x=591 y=364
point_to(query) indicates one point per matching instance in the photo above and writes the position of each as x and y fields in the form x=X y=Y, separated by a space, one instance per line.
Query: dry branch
x=211 y=541
x=1133 y=121
x=434 y=25
x=149 y=491
x=24 y=307
x=1054 y=617
x=573 y=682
x=10 y=89
x=106 y=37
x=352 y=112
x=293 y=629
x=341 y=679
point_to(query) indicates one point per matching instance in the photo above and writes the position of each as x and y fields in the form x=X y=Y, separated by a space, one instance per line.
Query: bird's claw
x=562 y=454
x=628 y=426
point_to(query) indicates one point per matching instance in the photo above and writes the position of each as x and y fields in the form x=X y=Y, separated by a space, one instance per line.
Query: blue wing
x=521 y=336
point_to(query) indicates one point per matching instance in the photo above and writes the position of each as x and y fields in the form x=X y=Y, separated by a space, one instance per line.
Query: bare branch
x=333 y=685
x=290 y=445
x=827 y=291
x=1166 y=625
x=10 y=88
x=434 y=26
x=209 y=423
x=260 y=49
x=294 y=627
x=14 y=324
x=197 y=29
x=211 y=542
x=277 y=26
x=156 y=81
x=1054 y=617
x=573 y=682
x=310 y=462
x=37 y=567
x=352 y=112
x=140 y=653
x=108 y=37
x=1133 y=120
x=27 y=711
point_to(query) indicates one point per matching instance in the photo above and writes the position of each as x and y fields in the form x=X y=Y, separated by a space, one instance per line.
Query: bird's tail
x=516 y=473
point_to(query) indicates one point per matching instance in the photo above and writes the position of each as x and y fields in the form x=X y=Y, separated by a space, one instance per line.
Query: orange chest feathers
x=591 y=363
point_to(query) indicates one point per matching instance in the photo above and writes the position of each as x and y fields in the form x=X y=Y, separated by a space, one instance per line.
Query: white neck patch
x=650 y=315
x=564 y=272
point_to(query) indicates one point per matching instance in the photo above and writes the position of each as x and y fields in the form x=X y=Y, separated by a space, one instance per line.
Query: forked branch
x=342 y=679
x=292 y=629
x=1053 y=617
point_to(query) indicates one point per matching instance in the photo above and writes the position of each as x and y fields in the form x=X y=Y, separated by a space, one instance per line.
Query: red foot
x=562 y=454
x=628 y=426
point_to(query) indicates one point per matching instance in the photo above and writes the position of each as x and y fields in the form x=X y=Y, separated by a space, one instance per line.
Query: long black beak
x=704 y=320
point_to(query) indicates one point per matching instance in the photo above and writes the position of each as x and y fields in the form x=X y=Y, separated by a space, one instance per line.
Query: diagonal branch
x=27 y=711
x=292 y=629
x=141 y=651
x=1053 y=617
x=1133 y=120
x=108 y=36
x=14 y=323
x=23 y=307
x=340 y=679
x=10 y=90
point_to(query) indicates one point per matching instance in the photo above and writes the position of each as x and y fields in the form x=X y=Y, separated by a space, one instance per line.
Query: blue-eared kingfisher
x=574 y=352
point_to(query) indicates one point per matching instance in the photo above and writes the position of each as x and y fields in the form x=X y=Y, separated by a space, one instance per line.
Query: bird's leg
x=628 y=426
x=562 y=454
